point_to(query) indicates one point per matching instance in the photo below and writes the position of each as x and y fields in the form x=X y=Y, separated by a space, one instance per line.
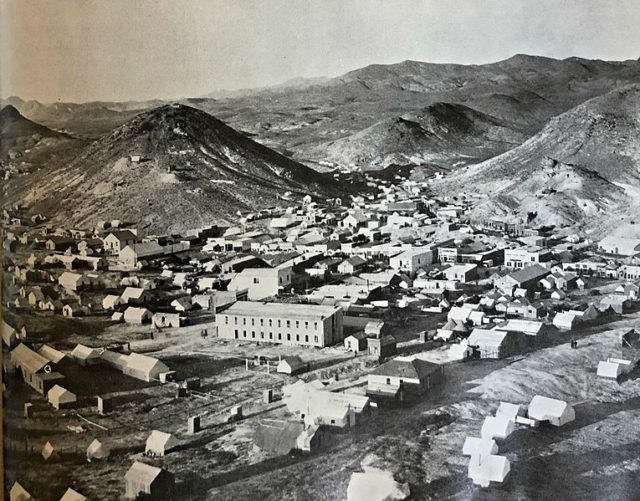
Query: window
x=288 y=323
x=253 y=334
x=236 y=333
x=226 y=319
x=279 y=336
x=279 y=323
x=262 y=335
x=244 y=321
x=315 y=338
x=270 y=322
x=388 y=380
x=306 y=339
x=235 y=320
x=297 y=337
x=271 y=335
x=297 y=324
x=288 y=337
x=244 y=333
x=256 y=280
x=261 y=322
x=306 y=325
x=315 y=325
x=253 y=321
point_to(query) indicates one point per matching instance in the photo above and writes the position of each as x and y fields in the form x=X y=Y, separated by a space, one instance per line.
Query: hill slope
x=583 y=166
x=442 y=132
x=195 y=170
x=19 y=133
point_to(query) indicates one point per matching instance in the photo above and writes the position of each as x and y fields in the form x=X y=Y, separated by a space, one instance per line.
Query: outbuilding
x=486 y=469
x=96 y=450
x=60 y=397
x=291 y=365
x=148 y=482
x=137 y=316
x=159 y=443
x=144 y=367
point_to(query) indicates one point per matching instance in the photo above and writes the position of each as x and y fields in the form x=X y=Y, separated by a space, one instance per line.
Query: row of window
x=270 y=322
x=271 y=336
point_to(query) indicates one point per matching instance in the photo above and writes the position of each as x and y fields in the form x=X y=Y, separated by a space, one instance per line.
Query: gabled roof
x=143 y=472
x=141 y=362
x=29 y=359
x=122 y=235
x=534 y=272
x=412 y=369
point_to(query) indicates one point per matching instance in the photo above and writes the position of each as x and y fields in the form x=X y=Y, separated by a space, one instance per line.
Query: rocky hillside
x=19 y=133
x=170 y=168
x=441 y=133
x=584 y=165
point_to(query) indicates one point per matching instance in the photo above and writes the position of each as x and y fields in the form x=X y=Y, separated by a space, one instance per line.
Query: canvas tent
x=19 y=493
x=375 y=485
x=499 y=427
x=96 y=450
x=71 y=495
x=613 y=368
x=160 y=443
x=474 y=446
x=486 y=469
x=556 y=412
x=47 y=451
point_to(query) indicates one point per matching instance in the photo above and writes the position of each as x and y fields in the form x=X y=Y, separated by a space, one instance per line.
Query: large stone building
x=291 y=324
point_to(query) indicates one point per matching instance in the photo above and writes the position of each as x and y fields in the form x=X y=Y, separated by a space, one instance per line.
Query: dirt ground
x=594 y=457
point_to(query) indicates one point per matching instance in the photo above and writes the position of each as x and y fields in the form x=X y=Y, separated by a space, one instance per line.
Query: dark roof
x=413 y=369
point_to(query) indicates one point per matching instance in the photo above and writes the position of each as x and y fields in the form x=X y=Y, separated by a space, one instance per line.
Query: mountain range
x=537 y=137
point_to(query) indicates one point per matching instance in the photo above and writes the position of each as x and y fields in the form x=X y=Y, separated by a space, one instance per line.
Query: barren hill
x=192 y=170
x=584 y=165
x=19 y=133
x=442 y=132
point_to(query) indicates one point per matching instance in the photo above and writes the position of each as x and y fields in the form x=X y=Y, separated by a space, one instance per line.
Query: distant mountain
x=298 y=117
x=583 y=166
x=193 y=170
x=441 y=133
x=18 y=133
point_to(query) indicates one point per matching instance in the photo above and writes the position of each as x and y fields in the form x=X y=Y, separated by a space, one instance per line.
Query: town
x=167 y=365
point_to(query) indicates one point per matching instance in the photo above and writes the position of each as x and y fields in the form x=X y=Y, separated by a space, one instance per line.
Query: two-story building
x=289 y=324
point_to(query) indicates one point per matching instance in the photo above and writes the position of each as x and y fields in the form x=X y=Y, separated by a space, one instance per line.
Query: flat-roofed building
x=290 y=324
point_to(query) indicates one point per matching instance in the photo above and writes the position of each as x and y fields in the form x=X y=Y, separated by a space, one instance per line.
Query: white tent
x=474 y=446
x=19 y=493
x=557 y=412
x=509 y=411
x=160 y=443
x=375 y=485
x=460 y=351
x=47 y=451
x=97 y=450
x=486 y=469
x=613 y=368
x=71 y=495
x=499 y=427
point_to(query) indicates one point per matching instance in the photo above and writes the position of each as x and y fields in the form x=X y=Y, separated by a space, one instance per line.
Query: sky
x=120 y=50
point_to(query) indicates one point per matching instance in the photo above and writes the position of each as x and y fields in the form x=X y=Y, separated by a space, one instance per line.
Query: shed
x=85 y=355
x=60 y=397
x=160 y=443
x=149 y=481
x=565 y=321
x=291 y=365
x=556 y=412
x=111 y=301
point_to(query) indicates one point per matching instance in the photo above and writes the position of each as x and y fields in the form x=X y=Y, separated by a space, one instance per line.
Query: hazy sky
x=80 y=50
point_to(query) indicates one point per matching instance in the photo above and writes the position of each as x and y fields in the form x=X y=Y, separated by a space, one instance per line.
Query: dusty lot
x=595 y=457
